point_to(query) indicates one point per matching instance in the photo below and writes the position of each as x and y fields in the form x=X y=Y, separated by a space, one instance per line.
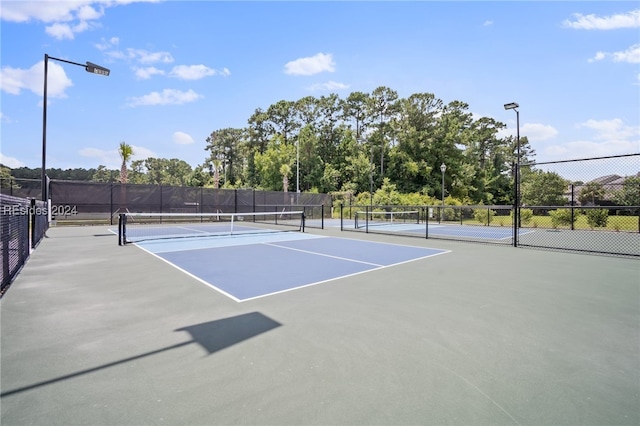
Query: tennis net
x=137 y=227
x=364 y=219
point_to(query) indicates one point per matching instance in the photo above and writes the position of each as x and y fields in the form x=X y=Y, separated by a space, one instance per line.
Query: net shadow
x=213 y=336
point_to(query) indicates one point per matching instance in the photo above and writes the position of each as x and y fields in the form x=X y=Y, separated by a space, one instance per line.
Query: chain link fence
x=23 y=223
x=481 y=224
x=587 y=205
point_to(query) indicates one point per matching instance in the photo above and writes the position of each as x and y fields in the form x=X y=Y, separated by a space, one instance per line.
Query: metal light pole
x=371 y=179
x=516 y=222
x=297 y=170
x=443 y=168
x=89 y=67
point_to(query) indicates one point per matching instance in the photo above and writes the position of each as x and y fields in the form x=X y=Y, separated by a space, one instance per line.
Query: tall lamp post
x=89 y=67
x=516 y=215
x=297 y=171
x=443 y=168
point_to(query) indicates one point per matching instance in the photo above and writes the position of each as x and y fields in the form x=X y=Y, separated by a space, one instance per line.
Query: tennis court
x=213 y=248
x=392 y=332
x=306 y=259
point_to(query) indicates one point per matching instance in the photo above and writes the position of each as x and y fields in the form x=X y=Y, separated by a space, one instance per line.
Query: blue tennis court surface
x=246 y=267
x=435 y=229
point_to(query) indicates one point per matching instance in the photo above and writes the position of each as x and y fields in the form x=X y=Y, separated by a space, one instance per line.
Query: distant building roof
x=608 y=179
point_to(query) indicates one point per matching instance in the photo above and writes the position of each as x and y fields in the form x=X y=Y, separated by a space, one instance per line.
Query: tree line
x=353 y=145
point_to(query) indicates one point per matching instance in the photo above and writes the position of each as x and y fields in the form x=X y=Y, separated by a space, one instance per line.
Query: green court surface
x=96 y=334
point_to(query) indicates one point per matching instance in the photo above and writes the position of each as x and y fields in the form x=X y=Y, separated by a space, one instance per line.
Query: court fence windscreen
x=138 y=227
x=79 y=202
x=23 y=223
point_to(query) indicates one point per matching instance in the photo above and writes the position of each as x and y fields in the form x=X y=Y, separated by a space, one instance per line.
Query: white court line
x=467 y=381
x=192 y=229
x=170 y=245
x=208 y=284
x=323 y=254
x=346 y=276
x=376 y=267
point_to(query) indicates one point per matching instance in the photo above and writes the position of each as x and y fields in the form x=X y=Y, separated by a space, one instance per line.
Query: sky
x=180 y=70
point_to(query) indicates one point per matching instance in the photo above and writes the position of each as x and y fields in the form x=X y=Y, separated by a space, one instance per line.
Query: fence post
x=110 y=203
x=572 y=207
x=32 y=219
x=5 y=236
x=426 y=223
x=366 y=219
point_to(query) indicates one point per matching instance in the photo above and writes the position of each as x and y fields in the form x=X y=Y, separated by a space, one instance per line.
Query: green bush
x=597 y=218
x=484 y=216
x=525 y=216
x=562 y=217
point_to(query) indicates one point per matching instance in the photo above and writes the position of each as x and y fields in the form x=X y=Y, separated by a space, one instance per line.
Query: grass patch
x=614 y=223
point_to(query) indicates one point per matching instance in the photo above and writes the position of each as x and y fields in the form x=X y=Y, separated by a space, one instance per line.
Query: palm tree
x=285 y=171
x=126 y=152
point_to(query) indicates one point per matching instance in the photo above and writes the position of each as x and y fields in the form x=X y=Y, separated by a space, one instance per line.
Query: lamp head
x=511 y=105
x=97 y=69
x=443 y=168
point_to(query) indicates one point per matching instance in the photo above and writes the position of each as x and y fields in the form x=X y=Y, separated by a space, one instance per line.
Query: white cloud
x=107 y=158
x=182 y=138
x=631 y=55
x=137 y=55
x=66 y=17
x=142 y=153
x=594 y=22
x=107 y=44
x=60 y=31
x=147 y=73
x=614 y=129
x=87 y=13
x=538 y=132
x=610 y=137
x=329 y=85
x=10 y=162
x=166 y=97
x=192 y=72
x=310 y=65
x=146 y=57
x=535 y=132
x=14 y=80
x=589 y=149
x=44 y=11
x=487 y=23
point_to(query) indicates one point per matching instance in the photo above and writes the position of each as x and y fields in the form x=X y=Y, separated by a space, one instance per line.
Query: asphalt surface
x=96 y=334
